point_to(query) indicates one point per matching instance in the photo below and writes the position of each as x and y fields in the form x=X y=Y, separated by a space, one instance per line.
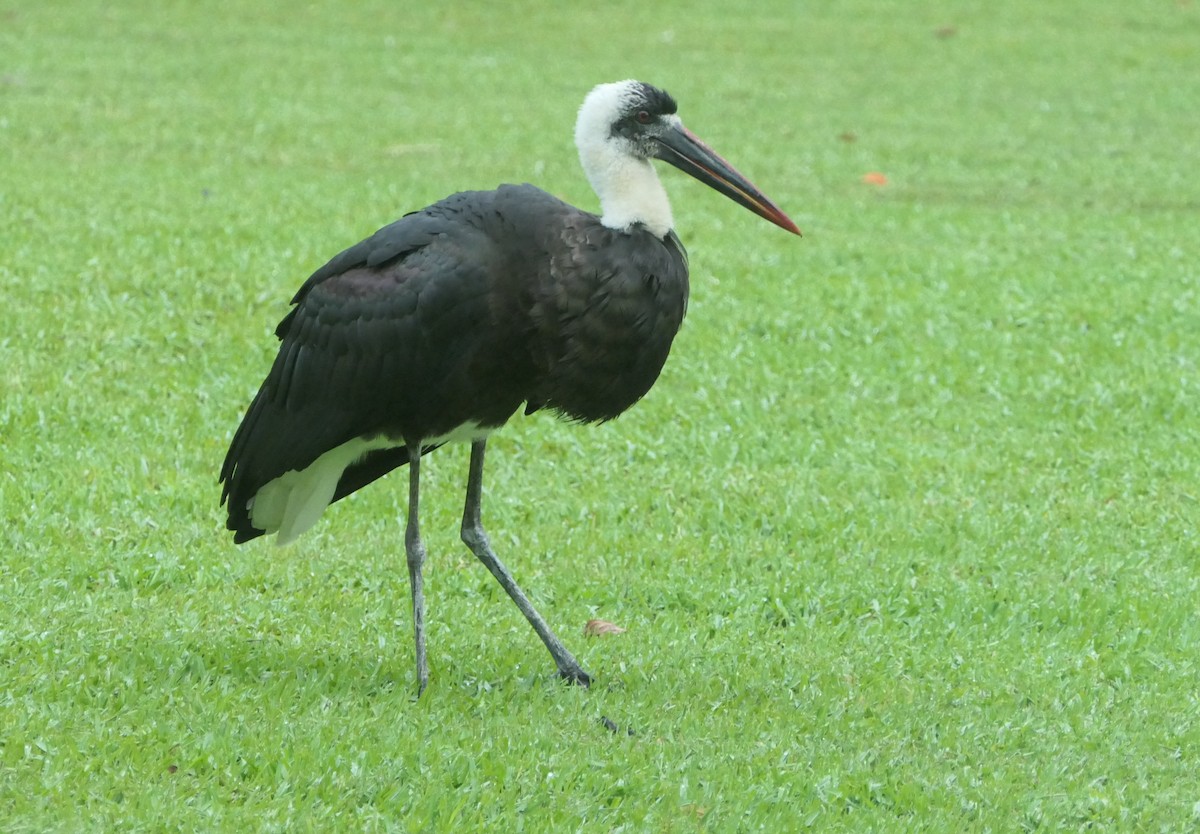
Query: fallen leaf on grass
x=874 y=178
x=597 y=628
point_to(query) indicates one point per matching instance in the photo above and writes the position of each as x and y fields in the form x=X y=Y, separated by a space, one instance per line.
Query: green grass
x=905 y=538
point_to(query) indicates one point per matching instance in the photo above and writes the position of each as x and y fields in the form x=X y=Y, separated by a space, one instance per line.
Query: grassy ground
x=904 y=539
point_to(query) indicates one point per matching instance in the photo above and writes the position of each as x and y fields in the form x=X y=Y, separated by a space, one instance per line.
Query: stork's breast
x=612 y=351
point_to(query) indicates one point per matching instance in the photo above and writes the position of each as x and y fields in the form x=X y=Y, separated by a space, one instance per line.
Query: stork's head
x=621 y=127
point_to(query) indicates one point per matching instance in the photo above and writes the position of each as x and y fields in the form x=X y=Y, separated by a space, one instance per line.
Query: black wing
x=381 y=342
x=459 y=313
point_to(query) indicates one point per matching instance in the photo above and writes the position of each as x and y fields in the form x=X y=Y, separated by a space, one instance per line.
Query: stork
x=439 y=326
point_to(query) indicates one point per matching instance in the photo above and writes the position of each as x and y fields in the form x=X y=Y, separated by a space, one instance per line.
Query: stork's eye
x=644 y=117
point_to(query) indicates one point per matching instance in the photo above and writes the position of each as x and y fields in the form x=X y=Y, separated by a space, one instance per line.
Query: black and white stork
x=438 y=327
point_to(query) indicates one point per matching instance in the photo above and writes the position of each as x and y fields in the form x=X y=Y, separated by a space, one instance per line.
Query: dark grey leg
x=476 y=539
x=415 y=549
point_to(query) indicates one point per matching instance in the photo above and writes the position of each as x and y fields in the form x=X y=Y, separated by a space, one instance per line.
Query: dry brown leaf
x=596 y=628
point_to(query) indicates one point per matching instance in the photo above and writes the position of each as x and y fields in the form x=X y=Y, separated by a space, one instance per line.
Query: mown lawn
x=904 y=539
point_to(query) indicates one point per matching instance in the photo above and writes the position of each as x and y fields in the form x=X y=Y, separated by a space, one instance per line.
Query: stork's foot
x=576 y=676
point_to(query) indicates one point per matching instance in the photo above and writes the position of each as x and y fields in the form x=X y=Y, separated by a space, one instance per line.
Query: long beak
x=681 y=148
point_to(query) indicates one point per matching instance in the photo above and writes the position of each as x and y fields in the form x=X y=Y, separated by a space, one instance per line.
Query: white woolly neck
x=626 y=183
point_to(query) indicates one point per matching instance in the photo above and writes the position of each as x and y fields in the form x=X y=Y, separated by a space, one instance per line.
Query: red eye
x=644 y=117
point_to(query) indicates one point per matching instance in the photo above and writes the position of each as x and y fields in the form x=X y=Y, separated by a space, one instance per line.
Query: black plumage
x=438 y=327
x=459 y=313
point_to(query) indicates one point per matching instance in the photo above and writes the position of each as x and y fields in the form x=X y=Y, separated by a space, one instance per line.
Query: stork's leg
x=415 y=549
x=476 y=539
